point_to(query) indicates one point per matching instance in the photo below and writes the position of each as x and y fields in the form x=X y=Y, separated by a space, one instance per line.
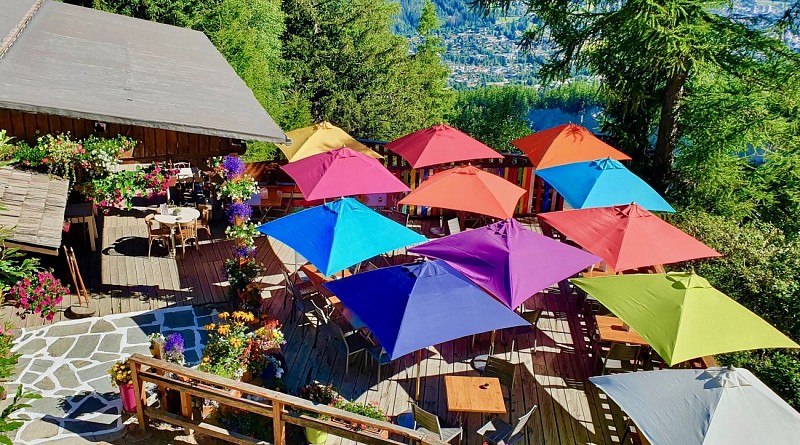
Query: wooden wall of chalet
x=154 y=144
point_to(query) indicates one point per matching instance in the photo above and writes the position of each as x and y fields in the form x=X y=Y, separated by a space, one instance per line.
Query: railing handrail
x=274 y=397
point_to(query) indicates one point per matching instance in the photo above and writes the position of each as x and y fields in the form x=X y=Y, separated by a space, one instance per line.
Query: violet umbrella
x=413 y=306
x=507 y=260
x=342 y=172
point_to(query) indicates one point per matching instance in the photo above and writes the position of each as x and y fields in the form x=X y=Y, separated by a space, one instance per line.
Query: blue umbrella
x=602 y=183
x=339 y=234
x=414 y=306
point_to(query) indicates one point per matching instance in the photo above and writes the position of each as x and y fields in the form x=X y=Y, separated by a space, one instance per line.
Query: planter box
x=383 y=434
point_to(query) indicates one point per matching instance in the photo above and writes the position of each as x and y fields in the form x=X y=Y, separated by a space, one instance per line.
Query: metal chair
x=505 y=371
x=429 y=423
x=295 y=291
x=350 y=344
x=162 y=234
x=498 y=432
x=203 y=221
x=625 y=354
x=379 y=356
x=532 y=318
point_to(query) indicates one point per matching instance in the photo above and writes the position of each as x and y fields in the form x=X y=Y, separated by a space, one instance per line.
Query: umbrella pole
x=491 y=345
x=419 y=361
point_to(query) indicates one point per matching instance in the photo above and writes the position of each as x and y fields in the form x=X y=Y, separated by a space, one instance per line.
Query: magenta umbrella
x=507 y=260
x=342 y=172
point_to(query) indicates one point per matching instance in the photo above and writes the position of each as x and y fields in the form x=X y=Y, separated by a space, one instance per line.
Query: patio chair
x=379 y=356
x=161 y=234
x=350 y=344
x=627 y=355
x=429 y=423
x=203 y=221
x=453 y=227
x=532 y=317
x=186 y=232
x=506 y=372
x=296 y=291
x=271 y=197
x=498 y=432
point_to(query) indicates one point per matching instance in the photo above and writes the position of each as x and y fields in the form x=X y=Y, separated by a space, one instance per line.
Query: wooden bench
x=281 y=408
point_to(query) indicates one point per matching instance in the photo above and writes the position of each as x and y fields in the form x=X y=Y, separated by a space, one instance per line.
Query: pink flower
x=50 y=316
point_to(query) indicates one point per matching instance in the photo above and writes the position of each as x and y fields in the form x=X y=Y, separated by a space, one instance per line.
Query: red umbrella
x=566 y=144
x=342 y=172
x=440 y=144
x=467 y=189
x=627 y=236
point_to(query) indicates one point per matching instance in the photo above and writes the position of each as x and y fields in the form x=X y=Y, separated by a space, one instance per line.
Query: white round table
x=184 y=215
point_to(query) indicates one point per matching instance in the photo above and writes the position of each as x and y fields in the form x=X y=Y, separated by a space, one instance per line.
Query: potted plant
x=121 y=377
x=224 y=354
x=321 y=395
x=264 y=358
x=370 y=410
x=40 y=295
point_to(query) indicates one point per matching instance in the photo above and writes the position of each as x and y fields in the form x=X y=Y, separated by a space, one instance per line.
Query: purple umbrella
x=507 y=260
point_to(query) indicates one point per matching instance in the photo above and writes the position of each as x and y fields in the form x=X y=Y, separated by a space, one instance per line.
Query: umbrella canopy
x=566 y=144
x=440 y=144
x=682 y=316
x=468 y=189
x=715 y=406
x=507 y=260
x=627 y=236
x=339 y=234
x=414 y=306
x=319 y=138
x=342 y=172
x=602 y=183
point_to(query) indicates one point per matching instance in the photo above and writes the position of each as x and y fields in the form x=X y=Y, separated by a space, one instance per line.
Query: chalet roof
x=83 y=63
x=35 y=204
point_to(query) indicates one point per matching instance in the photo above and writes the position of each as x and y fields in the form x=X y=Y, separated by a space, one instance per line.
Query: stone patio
x=67 y=363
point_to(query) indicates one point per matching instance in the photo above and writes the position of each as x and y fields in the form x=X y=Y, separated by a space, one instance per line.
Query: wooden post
x=141 y=396
x=277 y=423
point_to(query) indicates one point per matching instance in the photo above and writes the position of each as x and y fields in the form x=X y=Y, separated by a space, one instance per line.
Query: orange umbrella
x=467 y=189
x=566 y=144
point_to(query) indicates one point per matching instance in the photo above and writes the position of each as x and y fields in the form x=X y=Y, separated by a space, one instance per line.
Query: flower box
x=383 y=434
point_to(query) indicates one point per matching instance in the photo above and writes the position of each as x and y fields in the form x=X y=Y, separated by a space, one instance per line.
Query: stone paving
x=67 y=363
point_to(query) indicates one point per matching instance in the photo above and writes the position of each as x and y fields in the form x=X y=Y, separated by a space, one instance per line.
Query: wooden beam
x=207 y=428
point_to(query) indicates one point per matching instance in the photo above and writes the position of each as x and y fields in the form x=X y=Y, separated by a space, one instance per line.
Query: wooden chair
x=506 y=372
x=162 y=234
x=429 y=423
x=186 y=232
x=498 y=432
x=350 y=344
x=532 y=317
x=203 y=221
x=271 y=197
x=627 y=355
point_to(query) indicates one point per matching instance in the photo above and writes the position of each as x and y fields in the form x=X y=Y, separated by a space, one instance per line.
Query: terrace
x=554 y=377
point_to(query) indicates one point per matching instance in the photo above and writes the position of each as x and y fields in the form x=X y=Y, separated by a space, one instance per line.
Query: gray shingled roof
x=34 y=203
x=83 y=63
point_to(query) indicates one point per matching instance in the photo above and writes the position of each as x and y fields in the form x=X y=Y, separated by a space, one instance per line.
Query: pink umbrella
x=342 y=172
x=440 y=144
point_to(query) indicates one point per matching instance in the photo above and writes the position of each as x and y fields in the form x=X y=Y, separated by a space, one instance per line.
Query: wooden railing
x=281 y=408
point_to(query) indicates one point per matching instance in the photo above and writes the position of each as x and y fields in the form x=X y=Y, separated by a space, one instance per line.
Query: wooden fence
x=281 y=408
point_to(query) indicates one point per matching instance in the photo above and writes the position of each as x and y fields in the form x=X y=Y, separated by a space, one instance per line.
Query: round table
x=184 y=215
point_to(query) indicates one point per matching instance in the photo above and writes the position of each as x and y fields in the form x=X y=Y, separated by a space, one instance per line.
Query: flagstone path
x=67 y=363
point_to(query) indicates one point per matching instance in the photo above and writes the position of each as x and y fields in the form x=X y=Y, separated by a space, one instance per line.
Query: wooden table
x=177 y=215
x=80 y=213
x=465 y=395
x=316 y=277
x=611 y=330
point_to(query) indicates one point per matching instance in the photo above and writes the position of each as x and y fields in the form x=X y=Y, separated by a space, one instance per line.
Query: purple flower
x=234 y=167
x=173 y=343
x=243 y=251
x=241 y=210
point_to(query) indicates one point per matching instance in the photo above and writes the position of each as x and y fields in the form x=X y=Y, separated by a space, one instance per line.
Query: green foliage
x=6 y=148
x=13 y=265
x=760 y=269
x=345 y=61
x=8 y=360
x=498 y=115
x=372 y=411
x=10 y=424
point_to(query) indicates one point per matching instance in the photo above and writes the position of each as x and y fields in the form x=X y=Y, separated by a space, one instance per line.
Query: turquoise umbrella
x=602 y=183
x=340 y=234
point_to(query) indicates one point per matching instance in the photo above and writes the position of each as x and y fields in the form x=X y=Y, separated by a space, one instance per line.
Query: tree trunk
x=668 y=130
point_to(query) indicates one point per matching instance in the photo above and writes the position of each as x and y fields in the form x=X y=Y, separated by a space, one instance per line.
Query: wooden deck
x=554 y=377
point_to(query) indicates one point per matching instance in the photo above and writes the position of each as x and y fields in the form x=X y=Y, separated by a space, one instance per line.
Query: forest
x=705 y=102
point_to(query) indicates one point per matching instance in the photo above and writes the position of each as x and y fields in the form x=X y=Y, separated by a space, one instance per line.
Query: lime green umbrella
x=682 y=316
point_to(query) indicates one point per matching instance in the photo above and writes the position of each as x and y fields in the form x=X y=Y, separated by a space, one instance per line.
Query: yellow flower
x=210 y=327
x=223 y=315
x=206 y=359
x=224 y=330
x=235 y=342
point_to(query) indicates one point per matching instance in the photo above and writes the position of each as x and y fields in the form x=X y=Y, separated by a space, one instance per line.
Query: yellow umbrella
x=319 y=138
